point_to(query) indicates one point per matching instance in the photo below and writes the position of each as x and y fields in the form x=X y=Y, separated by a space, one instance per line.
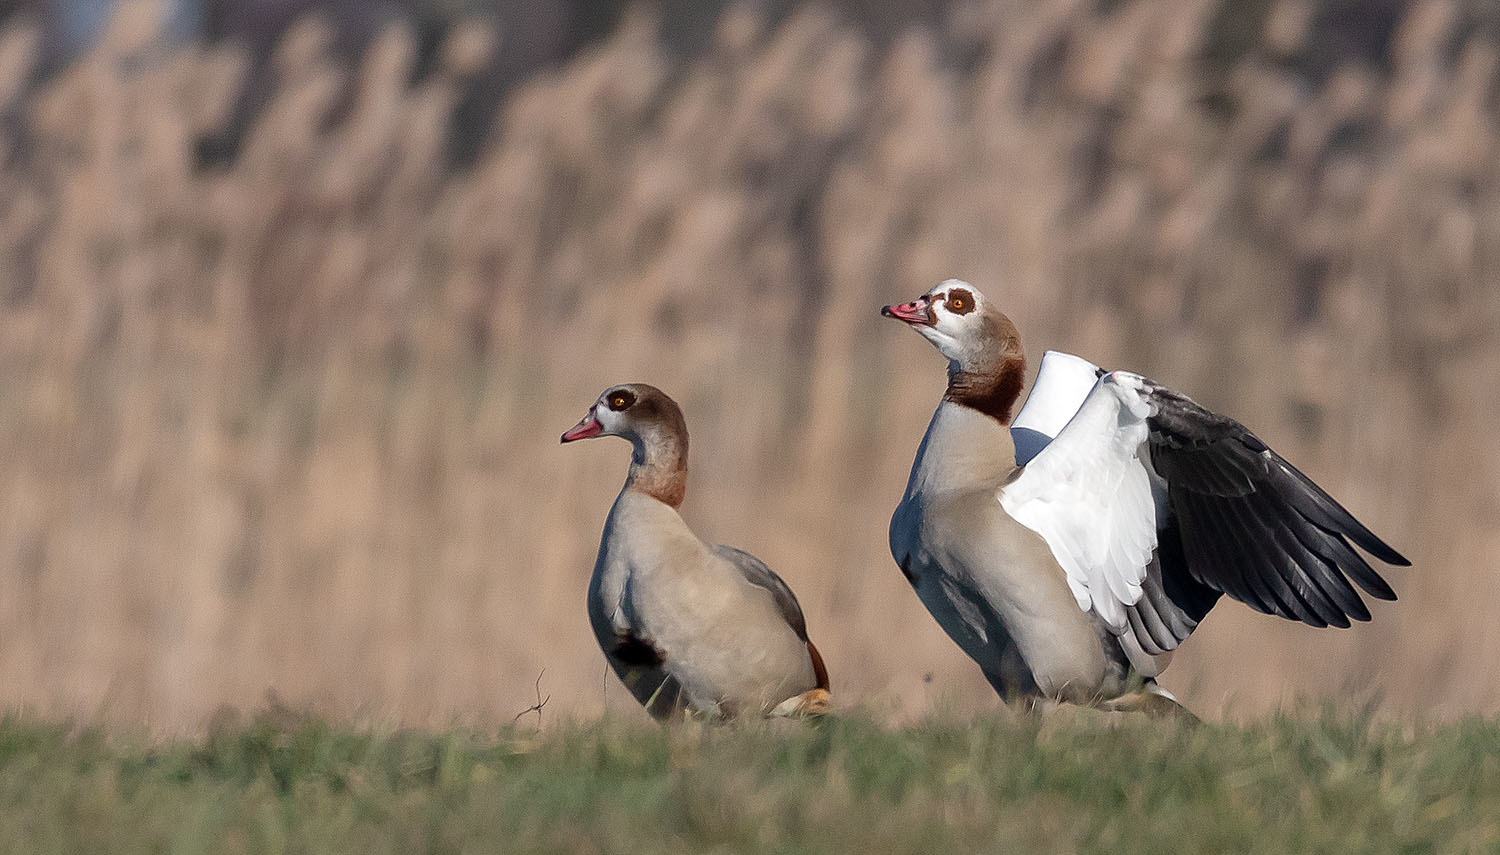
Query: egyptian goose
x=688 y=627
x=1069 y=551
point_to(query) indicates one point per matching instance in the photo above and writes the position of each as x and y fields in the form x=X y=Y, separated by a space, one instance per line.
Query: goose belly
x=1004 y=601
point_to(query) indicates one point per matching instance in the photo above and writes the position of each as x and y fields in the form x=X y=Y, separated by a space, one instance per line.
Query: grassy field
x=1319 y=782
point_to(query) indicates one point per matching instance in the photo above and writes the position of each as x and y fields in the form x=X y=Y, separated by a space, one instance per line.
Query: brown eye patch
x=620 y=400
x=960 y=301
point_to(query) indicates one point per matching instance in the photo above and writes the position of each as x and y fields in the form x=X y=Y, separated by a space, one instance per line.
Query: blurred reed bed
x=290 y=422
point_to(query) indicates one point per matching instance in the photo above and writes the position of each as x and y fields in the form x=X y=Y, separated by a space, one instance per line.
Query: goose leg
x=814 y=702
x=1154 y=701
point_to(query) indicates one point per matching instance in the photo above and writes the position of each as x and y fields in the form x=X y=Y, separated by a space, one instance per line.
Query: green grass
x=1319 y=782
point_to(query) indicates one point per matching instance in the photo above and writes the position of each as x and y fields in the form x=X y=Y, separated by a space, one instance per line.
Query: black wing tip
x=1367 y=541
x=1338 y=518
x=1374 y=584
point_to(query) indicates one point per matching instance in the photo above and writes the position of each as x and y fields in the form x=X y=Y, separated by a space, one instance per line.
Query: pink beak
x=917 y=313
x=588 y=426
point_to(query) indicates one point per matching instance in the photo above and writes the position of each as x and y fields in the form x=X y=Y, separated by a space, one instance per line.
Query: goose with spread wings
x=1071 y=547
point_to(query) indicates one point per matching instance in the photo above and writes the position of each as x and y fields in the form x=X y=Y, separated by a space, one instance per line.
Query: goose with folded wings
x=688 y=627
x=1070 y=550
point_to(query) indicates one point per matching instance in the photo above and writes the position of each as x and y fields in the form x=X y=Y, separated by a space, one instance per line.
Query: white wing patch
x=1088 y=493
x=1061 y=385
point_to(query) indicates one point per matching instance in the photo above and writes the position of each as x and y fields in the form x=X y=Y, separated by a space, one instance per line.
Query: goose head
x=638 y=412
x=657 y=432
x=962 y=324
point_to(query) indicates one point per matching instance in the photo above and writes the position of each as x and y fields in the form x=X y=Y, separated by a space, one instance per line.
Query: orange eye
x=617 y=402
x=957 y=304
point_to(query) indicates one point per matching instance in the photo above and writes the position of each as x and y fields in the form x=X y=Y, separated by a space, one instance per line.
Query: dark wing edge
x=757 y=573
x=1172 y=602
x=1253 y=526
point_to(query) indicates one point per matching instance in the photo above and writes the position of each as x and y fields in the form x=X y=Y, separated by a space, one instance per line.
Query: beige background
x=292 y=422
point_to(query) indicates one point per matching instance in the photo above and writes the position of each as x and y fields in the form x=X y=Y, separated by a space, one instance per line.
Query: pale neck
x=658 y=466
x=963 y=448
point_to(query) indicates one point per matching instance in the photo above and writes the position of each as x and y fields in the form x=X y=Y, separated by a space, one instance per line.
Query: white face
x=607 y=417
x=948 y=316
x=610 y=409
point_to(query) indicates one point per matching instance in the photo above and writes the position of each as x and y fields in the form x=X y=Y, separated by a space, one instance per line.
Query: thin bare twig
x=540 y=702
